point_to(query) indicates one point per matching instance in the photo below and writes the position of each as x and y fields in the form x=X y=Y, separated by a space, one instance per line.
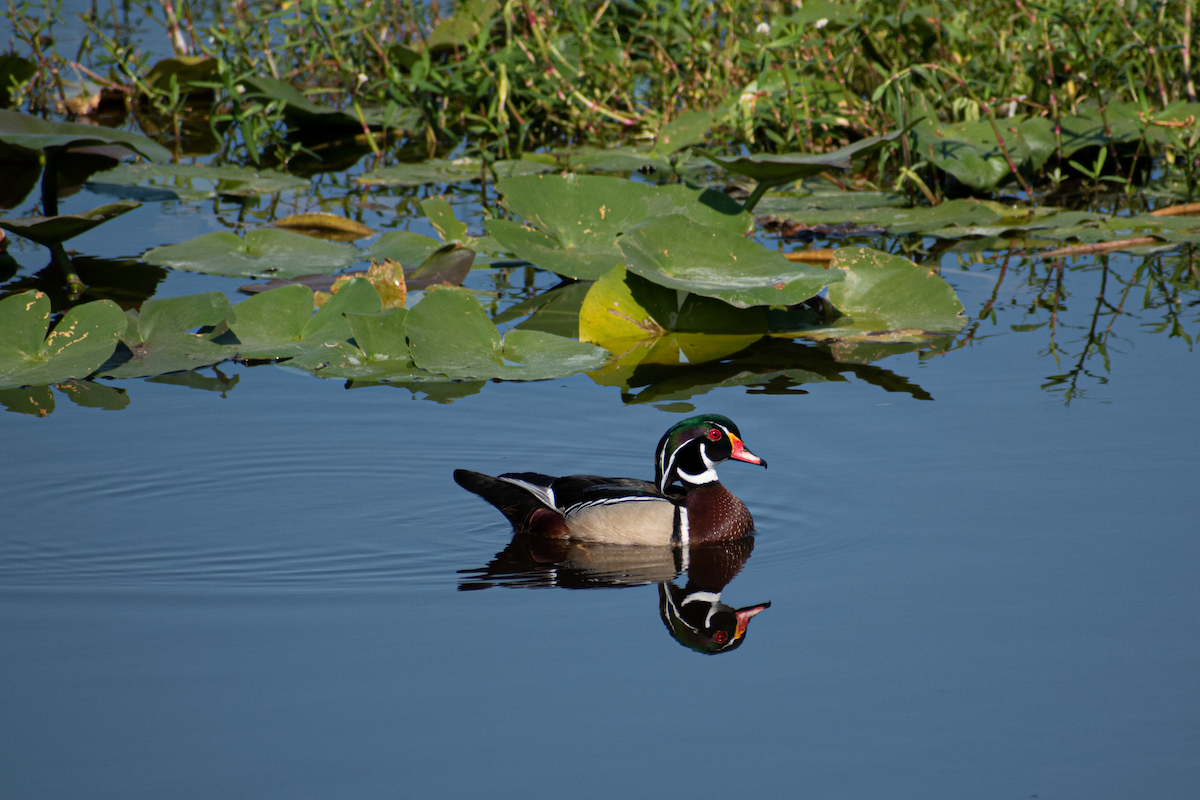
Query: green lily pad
x=266 y=252
x=449 y=333
x=553 y=311
x=82 y=340
x=643 y=324
x=886 y=298
x=379 y=350
x=32 y=134
x=56 y=230
x=460 y=170
x=678 y=253
x=442 y=218
x=281 y=324
x=410 y=249
x=578 y=218
x=159 y=341
x=971 y=152
x=774 y=169
x=190 y=182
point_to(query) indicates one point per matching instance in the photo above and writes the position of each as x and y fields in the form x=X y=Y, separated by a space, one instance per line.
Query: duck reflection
x=693 y=614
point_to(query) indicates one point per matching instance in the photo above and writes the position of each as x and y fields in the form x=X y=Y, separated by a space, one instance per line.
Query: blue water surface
x=990 y=594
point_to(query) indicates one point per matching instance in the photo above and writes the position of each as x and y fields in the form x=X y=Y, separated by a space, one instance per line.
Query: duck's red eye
x=720 y=637
x=714 y=434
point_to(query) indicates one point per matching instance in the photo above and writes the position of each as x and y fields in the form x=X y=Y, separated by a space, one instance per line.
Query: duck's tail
x=523 y=498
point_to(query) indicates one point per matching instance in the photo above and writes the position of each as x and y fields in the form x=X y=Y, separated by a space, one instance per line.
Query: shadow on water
x=694 y=614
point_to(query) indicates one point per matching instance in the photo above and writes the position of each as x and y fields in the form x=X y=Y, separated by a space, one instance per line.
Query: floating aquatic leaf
x=645 y=323
x=442 y=218
x=773 y=169
x=82 y=340
x=410 y=249
x=971 y=152
x=578 y=218
x=32 y=135
x=264 y=252
x=281 y=323
x=460 y=170
x=886 y=298
x=190 y=182
x=379 y=350
x=55 y=230
x=450 y=334
x=681 y=254
x=159 y=341
x=553 y=311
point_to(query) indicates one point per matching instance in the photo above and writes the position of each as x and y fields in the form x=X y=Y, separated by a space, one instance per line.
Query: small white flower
x=763 y=28
x=821 y=23
x=362 y=78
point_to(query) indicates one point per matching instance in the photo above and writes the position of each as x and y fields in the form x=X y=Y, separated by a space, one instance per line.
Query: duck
x=629 y=511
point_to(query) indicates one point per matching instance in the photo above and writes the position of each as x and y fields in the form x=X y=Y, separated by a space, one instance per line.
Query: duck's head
x=690 y=451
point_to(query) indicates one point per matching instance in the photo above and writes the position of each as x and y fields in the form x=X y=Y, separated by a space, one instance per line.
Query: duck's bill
x=744 y=615
x=742 y=454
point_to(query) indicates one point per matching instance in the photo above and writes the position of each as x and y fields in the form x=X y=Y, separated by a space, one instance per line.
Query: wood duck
x=631 y=511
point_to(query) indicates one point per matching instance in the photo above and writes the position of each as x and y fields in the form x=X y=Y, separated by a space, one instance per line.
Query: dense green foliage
x=515 y=76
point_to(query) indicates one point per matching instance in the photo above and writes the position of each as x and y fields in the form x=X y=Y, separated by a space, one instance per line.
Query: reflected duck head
x=700 y=621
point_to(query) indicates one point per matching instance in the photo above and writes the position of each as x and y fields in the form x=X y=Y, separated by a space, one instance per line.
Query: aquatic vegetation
x=847 y=123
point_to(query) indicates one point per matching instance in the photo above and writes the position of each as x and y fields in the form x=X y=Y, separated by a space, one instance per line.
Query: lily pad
x=886 y=298
x=32 y=134
x=281 y=323
x=264 y=252
x=643 y=323
x=379 y=350
x=159 y=341
x=460 y=170
x=83 y=340
x=190 y=182
x=442 y=218
x=56 y=230
x=971 y=152
x=681 y=254
x=773 y=169
x=410 y=249
x=450 y=334
x=578 y=218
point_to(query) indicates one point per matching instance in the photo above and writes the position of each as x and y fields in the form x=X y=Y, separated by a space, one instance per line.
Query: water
x=991 y=593
x=987 y=595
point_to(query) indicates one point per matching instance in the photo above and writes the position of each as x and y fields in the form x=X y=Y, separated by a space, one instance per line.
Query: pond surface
x=276 y=590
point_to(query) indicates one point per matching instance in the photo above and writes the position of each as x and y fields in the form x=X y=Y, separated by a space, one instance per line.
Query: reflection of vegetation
x=1167 y=284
